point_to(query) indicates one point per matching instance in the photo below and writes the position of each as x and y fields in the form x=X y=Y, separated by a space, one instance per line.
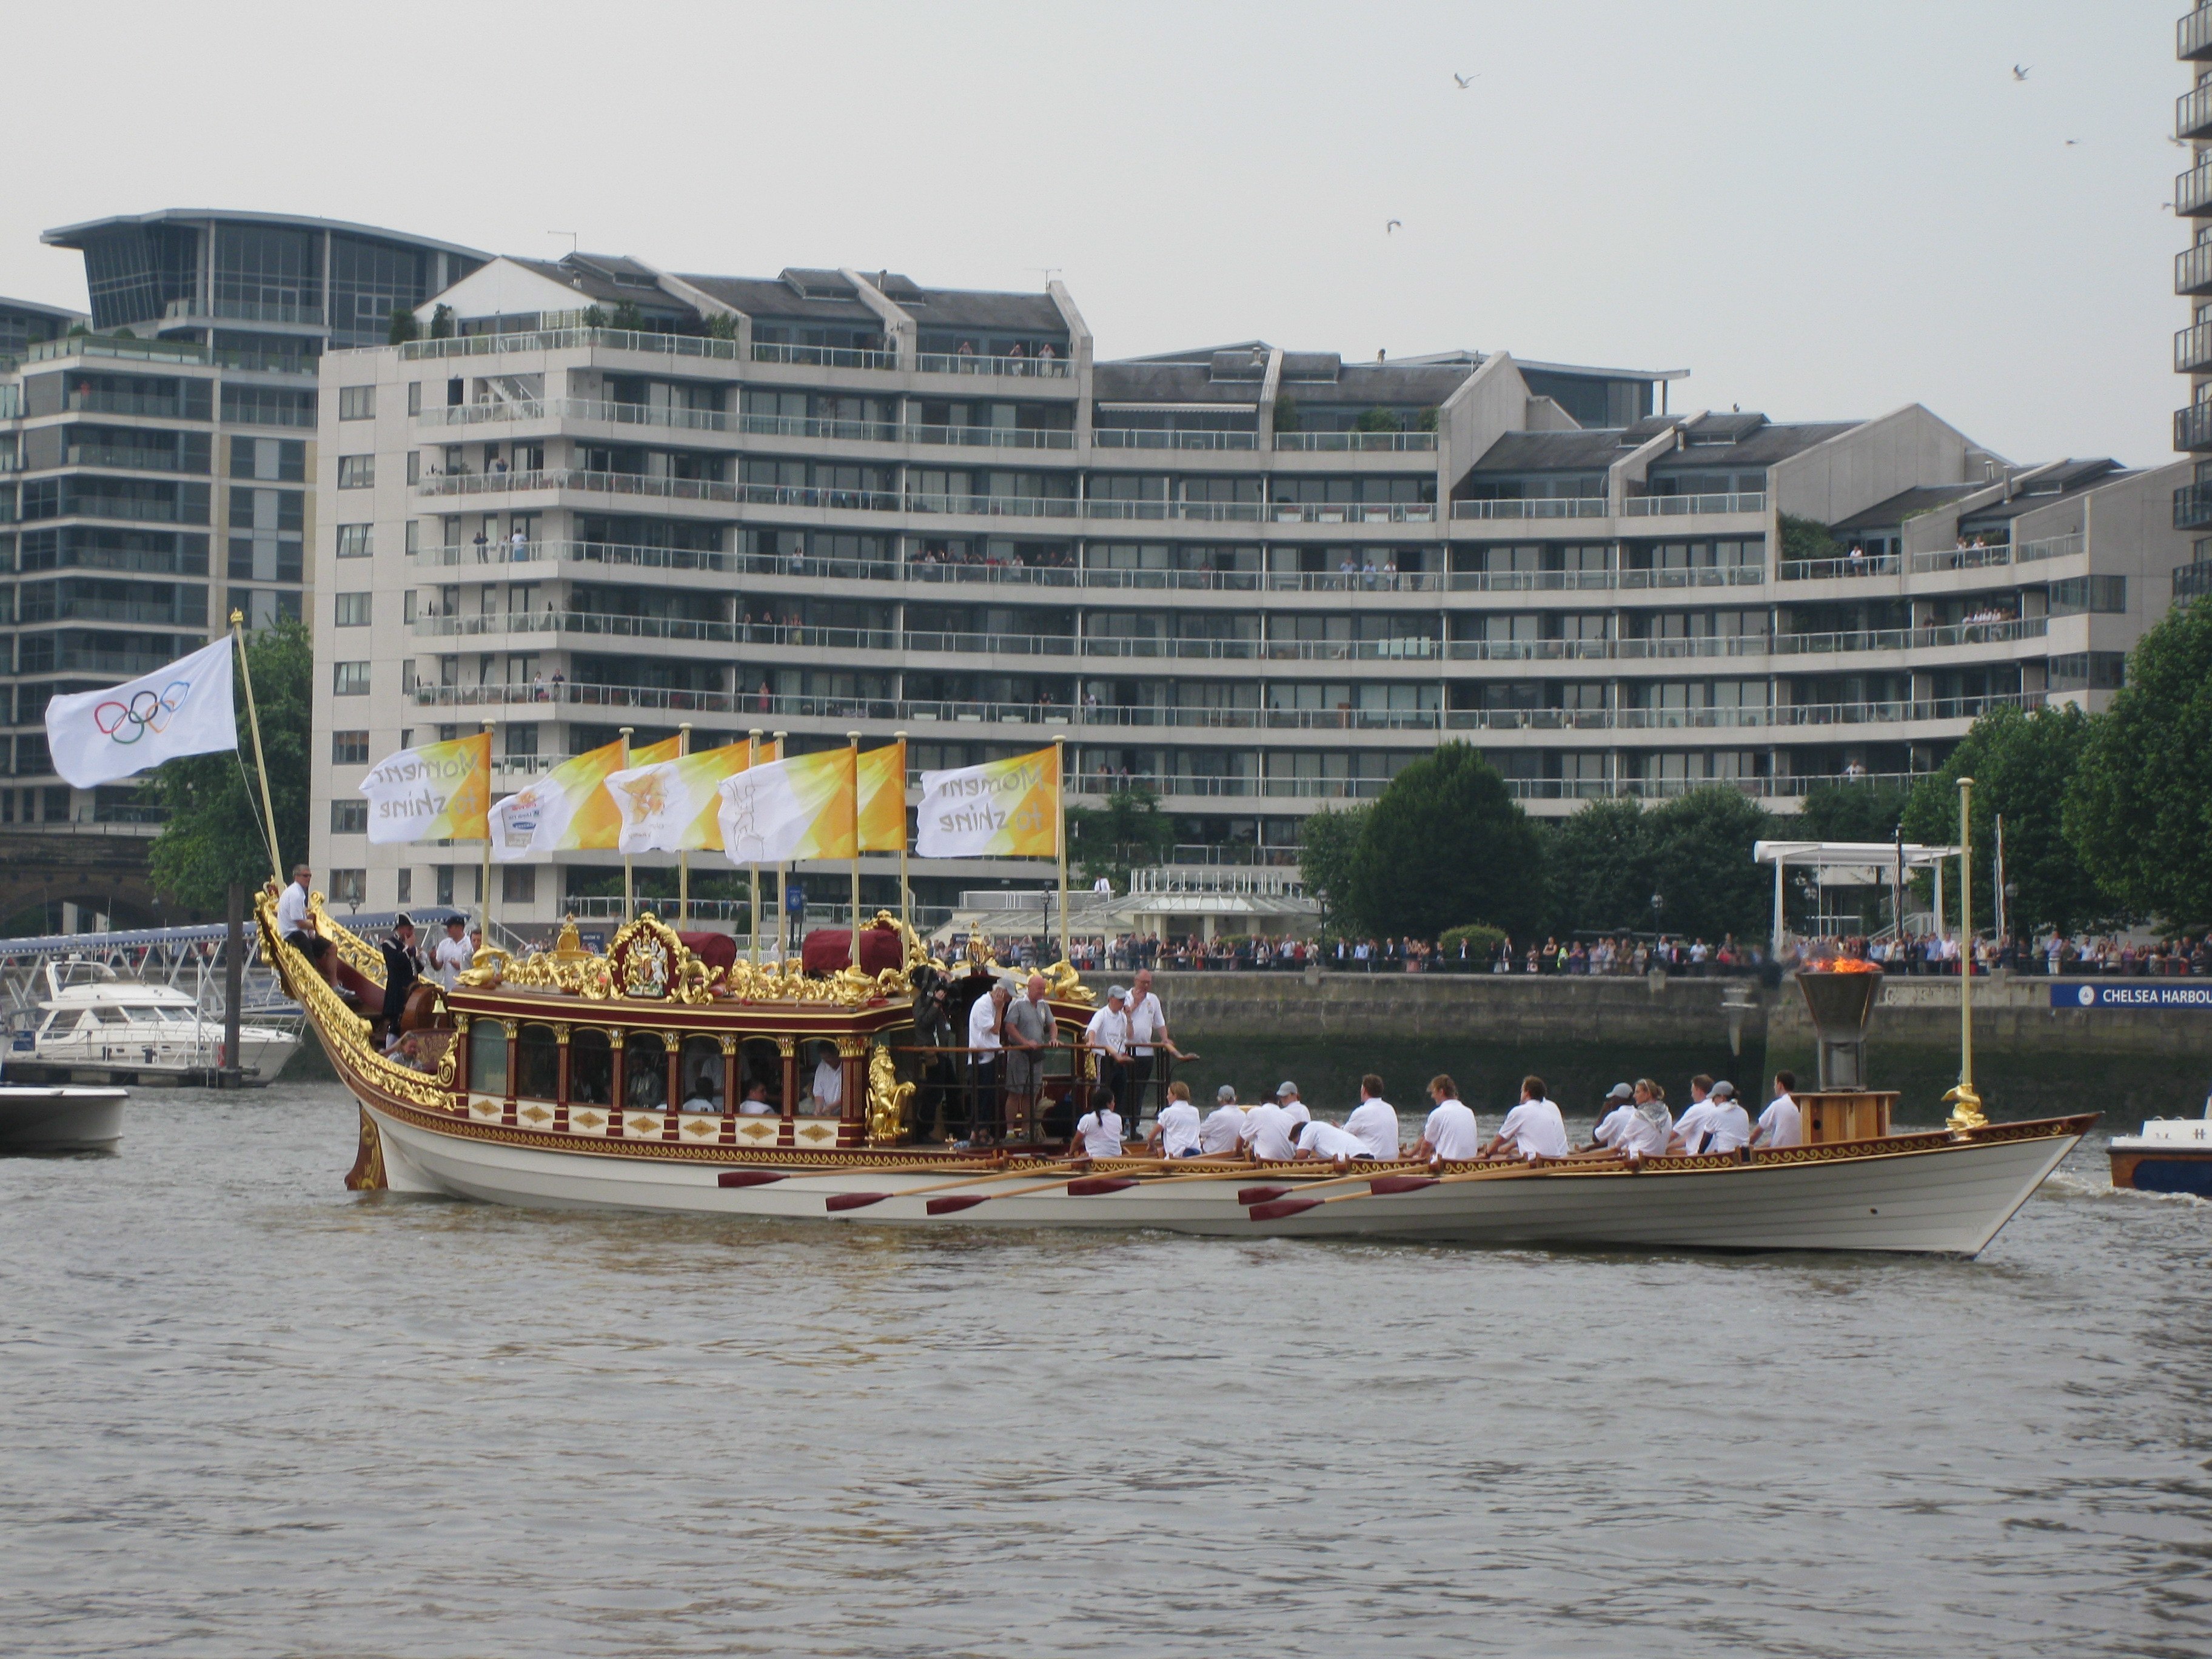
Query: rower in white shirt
x=1273 y=1127
x=1451 y=1132
x=1375 y=1120
x=1176 y=1133
x=1533 y=1129
x=1099 y=1130
x=1780 y=1124
x=1330 y=1145
x=1728 y=1128
x=1690 y=1128
x=1223 y=1128
x=1650 y=1125
x=1620 y=1106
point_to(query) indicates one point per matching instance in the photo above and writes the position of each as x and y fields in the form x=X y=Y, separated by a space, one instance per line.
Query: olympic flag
x=1001 y=809
x=438 y=791
x=801 y=808
x=98 y=737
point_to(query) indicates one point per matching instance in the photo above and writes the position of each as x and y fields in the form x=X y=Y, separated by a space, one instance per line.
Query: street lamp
x=1657 y=902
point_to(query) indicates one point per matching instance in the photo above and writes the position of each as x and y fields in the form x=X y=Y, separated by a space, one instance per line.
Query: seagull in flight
x=1394 y=225
x=2019 y=72
x=1466 y=80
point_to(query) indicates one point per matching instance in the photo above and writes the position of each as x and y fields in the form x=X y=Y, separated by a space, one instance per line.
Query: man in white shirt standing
x=1375 y=1120
x=1780 y=1124
x=829 y=1083
x=1148 y=1030
x=1728 y=1128
x=1099 y=1130
x=1533 y=1129
x=453 y=953
x=1177 y=1132
x=1451 y=1133
x=1223 y=1128
x=983 y=1020
x=1108 y=1034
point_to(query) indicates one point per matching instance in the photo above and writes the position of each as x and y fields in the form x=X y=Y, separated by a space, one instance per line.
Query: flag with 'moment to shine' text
x=1001 y=809
x=438 y=791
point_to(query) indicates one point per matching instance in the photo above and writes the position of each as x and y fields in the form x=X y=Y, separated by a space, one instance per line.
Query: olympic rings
x=147 y=711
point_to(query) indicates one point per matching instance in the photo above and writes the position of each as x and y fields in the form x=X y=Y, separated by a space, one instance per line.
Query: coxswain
x=1533 y=1129
x=1223 y=1128
x=1375 y=1120
x=1330 y=1145
x=1780 y=1124
x=1690 y=1127
x=1450 y=1133
x=400 y=973
x=1099 y=1130
x=1728 y=1128
x=453 y=953
x=1176 y=1133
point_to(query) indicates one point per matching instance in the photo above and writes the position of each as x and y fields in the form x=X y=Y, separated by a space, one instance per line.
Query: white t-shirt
x=1269 y=1128
x=1326 y=1141
x=1645 y=1137
x=1100 y=1132
x=1691 y=1125
x=1451 y=1130
x=292 y=909
x=1535 y=1129
x=1783 y=1123
x=1376 y=1123
x=1180 y=1129
x=1108 y=1032
x=1729 y=1129
x=829 y=1084
x=1147 y=1020
x=756 y=1109
x=450 y=956
x=983 y=1024
x=701 y=1103
x=1223 y=1130
x=1614 y=1124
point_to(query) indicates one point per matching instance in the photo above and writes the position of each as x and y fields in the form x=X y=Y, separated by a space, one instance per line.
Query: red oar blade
x=1282 y=1208
x=954 y=1206
x=837 y=1201
x=1097 y=1184
x=746 y=1177
x=1401 y=1183
x=1259 y=1195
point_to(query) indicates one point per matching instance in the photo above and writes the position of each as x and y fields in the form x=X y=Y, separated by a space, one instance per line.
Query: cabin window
x=820 y=1091
x=645 y=1073
x=488 y=1057
x=702 y=1072
x=537 y=1064
x=760 y=1078
x=591 y=1068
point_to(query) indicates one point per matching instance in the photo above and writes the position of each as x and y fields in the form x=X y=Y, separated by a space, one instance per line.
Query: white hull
x=59 y=1120
x=153 y=1065
x=1932 y=1195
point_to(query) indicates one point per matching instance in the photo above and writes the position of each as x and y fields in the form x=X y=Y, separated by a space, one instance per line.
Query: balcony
x=129 y=459
x=1123 y=437
x=1976 y=555
x=1670 y=506
x=1538 y=506
x=2193 y=349
x=776 y=351
x=2192 y=270
x=2050 y=547
x=2192 y=115
x=996 y=506
x=1854 y=564
x=2192 y=581
x=2192 y=426
x=2192 y=35
x=570 y=339
x=1042 y=368
x=2192 y=192
x=2192 y=507
x=1356 y=442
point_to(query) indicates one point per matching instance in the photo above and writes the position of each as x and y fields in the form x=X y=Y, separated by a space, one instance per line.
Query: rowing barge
x=572 y=1078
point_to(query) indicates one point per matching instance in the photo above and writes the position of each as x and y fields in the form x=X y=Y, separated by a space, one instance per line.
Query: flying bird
x=1394 y=225
x=2070 y=143
x=2019 y=72
x=1466 y=80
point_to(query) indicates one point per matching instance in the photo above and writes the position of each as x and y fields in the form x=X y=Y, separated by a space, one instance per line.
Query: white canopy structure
x=1888 y=857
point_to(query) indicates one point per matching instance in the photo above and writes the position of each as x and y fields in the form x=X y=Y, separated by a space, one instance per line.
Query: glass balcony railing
x=2192 y=426
x=778 y=352
x=1669 y=507
x=569 y=339
x=2192 y=115
x=1536 y=506
x=2192 y=349
x=1356 y=442
x=2192 y=192
x=2192 y=270
x=2192 y=581
x=2192 y=507
x=956 y=363
x=1126 y=437
x=2193 y=35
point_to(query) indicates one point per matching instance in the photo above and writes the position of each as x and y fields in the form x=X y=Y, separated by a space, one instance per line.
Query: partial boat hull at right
x=2171 y=1155
x=59 y=1120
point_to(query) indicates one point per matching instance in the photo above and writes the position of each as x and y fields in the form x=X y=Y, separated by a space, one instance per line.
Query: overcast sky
x=1823 y=211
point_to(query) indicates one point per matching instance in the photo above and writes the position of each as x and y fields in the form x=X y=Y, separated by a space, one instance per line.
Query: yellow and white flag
x=594 y=822
x=676 y=806
x=1001 y=809
x=800 y=808
x=438 y=791
x=882 y=798
x=550 y=815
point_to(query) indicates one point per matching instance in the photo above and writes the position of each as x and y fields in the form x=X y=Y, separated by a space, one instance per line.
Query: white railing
x=1962 y=559
x=996 y=506
x=1667 y=506
x=2050 y=547
x=1356 y=442
x=568 y=339
x=955 y=362
x=1537 y=506
x=1126 y=437
x=778 y=352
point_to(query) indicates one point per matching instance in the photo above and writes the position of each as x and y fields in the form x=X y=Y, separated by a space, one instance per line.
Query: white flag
x=804 y=807
x=99 y=737
x=513 y=820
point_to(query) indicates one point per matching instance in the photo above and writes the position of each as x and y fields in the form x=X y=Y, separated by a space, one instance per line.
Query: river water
x=249 y=1413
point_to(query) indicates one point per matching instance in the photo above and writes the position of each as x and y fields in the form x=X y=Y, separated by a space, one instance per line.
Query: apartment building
x=2192 y=281
x=1256 y=580
x=158 y=470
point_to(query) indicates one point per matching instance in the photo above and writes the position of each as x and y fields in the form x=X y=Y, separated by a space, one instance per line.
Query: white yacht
x=96 y=1026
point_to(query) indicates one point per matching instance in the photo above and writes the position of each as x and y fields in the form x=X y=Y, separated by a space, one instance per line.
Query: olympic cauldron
x=1840 y=996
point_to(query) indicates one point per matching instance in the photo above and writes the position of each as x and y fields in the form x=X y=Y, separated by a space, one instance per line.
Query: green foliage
x=628 y=317
x=1607 y=861
x=1599 y=866
x=1481 y=938
x=441 y=322
x=402 y=328
x=213 y=836
x=123 y=334
x=1429 y=419
x=1852 y=810
x=2139 y=805
x=722 y=326
x=1808 y=538
x=2020 y=763
x=1446 y=841
x=1377 y=420
x=1326 y=843
x=1286 y=412
x=1128 y=830
x=594 y=317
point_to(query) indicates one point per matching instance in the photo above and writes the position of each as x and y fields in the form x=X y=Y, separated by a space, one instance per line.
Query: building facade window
x=517 y=884
x=348 y=817
x=349 y=679
x=349 y=748
x=348 y=886
x=356 y=541
x=357 y=403
x=353 y=610
x=356 y=471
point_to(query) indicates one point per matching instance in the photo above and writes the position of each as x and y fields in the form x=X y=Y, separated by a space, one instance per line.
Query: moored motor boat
x=59 y=1120
x=2171 y=1155
x=571 y=1080
x=100 y=1026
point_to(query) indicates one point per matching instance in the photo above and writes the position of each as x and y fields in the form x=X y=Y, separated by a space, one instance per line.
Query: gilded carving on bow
x=357 y=952
x=888 y=1098
x=486 y=968
x=345 y=1032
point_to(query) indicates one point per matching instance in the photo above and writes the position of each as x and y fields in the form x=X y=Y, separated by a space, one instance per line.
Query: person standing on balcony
x=484 y=546
x=518 y=546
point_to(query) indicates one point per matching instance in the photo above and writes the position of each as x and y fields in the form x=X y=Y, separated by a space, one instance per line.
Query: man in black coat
x=397 y=949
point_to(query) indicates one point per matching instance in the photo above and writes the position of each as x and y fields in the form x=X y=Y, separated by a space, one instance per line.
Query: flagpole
x=783 y=888
x=1060 y=831
x=260 y=765
x=483 y=880
x=752 y=871
x=629 y=894
x=853 y=739
x=906 y=904
x=683 y=853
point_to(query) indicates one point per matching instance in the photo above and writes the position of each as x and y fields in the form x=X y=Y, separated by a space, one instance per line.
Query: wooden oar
x=1264 y=1195
x=1079 y=1186
x=1279 y=1209
x=837 y=1201
x=763 y=1177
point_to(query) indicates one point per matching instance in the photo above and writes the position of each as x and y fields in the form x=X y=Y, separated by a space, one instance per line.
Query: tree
x=2020 y=763
x=1446 y=845
x=441 y=322
x=1326 y=843
x=1129 y=830
x=2139 y=805
x=1702 y=865
x=1378 y=420
x=1808 y=538
x=722 y=326
x=214 y=835
x=1599 y=866
x=1859 y=809
x=628 y=317
x=1286 y=412
x=402 y=328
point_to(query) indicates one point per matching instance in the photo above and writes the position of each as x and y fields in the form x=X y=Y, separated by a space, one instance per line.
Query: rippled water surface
x=248 y=1413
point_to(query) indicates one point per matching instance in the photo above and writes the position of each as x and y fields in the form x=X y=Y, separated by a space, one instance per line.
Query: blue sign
x=794 y=899
x=2151 y=995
